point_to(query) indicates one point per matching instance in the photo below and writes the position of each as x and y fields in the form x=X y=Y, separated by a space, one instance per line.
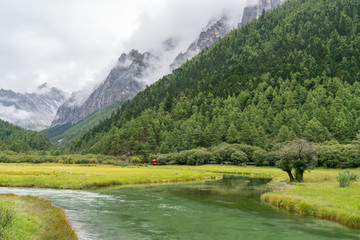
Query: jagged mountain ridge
x=222 y=27
x=33 y=111
x=121 y=85
x=255 y=11
x=205 y=39
x=125 y=80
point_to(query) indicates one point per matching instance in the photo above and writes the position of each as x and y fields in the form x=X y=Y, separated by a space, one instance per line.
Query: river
x=225 y=209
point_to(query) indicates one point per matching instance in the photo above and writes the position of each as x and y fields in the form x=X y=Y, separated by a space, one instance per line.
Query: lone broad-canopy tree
x=298 y=155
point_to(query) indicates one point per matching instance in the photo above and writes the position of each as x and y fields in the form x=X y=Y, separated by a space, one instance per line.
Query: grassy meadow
x=82 y=177
x=321 y=196
x=33 y=218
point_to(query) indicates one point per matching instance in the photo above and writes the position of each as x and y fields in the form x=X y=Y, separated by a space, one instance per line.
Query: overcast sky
x=72 y=44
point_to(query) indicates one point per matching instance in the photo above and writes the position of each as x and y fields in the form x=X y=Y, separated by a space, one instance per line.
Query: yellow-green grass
x=321 y=196
x=266 y=172
x=36 y=218
x=81 y=177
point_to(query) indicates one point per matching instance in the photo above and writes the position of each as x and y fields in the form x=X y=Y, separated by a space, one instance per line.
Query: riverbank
x=320 y=196
x=34 y=218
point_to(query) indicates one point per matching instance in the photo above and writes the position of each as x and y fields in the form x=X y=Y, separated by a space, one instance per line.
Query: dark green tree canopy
x=21 y=140
x=298 y=155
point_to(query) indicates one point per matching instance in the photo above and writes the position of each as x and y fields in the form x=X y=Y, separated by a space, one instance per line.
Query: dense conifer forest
x=293 y=73
x=20 y=140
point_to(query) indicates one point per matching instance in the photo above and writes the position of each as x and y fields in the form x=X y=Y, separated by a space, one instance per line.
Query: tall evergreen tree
x=233 y=135
x=316 y=132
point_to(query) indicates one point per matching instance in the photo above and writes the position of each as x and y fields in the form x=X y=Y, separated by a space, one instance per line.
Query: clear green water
x=225 y=209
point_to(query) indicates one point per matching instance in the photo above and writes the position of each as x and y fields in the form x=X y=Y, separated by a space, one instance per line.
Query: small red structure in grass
x=154 y=162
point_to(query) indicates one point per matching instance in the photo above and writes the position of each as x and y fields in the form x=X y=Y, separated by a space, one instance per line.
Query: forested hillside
x=67 y=133
x=20 y=140
x=293 y=73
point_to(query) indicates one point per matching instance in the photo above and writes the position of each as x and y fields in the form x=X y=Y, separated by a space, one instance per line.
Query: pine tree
x=316 y=132
x=113 y=141
x=285 y=135
x=150 y=144
x=232 y=135
x=340 y=127
x=245 y=132
x=260 y=139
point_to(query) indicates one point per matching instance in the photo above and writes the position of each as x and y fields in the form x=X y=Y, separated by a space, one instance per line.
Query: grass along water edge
x=35 y=218
x=312 y=207
x=321 y=196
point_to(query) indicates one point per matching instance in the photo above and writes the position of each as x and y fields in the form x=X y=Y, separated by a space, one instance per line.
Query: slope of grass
x=35 y=218
x=57 y=130
x=61 y=135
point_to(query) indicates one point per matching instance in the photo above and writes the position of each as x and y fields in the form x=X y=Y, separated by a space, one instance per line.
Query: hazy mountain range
x=31 y=110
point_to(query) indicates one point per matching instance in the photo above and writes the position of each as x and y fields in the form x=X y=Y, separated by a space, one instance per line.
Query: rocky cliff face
x=255 y=11
x=205 y=39
x=221 y=28
x=32 y=111
x=122 y=84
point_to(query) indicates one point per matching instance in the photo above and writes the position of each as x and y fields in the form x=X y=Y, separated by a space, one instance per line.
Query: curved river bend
x=224 y=209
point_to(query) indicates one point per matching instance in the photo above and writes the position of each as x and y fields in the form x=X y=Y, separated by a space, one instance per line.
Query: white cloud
x=72 y=44
x=180 y=18
x=11 y=114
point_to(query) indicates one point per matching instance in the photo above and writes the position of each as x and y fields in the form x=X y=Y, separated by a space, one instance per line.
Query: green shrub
x=6 y=219
x=109 y=162
x=260 y=157
x=346 y=178
x=352 y=158
x=330 y=156
x=162 y=159
x=201 y=156
x=247 y=149
x=271 y=158
x=338 y=156
x=219 y=155
x=239 y=157
x=4 y=158
x=135 y=160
